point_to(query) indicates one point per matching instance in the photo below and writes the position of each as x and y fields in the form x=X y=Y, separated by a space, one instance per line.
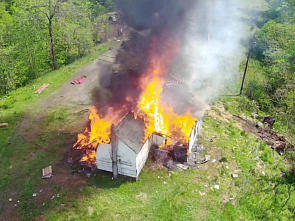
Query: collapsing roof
x=131 y=132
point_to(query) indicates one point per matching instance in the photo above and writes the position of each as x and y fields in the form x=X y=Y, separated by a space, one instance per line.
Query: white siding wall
x=193 y=136
x=142 y=156
x=104 y=157
x=126 y=160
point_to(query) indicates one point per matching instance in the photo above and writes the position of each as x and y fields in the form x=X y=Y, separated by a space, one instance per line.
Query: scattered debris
x=213 y=161
x=79 y=80
x=277 y=142
x=47 y=172
x=217 y=187
x=270 y=121
x=180 y=154
x=3 y=125
x=182 y=166
x=202 y=193
x=42 y=88
x=254 y=115
x=235 y=175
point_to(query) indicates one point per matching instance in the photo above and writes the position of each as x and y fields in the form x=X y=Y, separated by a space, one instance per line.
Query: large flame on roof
x=159 y=117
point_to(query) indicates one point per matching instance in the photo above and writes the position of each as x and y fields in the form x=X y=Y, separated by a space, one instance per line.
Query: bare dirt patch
x=277 y=142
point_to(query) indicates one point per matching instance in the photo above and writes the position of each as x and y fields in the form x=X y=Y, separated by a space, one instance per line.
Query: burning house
x=129 y=148
x=141 y=105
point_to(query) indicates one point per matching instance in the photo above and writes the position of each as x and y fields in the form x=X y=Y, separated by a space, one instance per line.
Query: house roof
x=131 y=132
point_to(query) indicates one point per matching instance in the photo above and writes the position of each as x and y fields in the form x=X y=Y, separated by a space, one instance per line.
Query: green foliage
x=271 y=80
x=25 y=40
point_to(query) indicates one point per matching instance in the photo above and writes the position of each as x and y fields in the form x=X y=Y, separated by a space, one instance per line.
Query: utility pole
x=246 y=68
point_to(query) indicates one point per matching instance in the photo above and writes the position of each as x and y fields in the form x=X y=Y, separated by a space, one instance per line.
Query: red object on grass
x=79 y=80
x=42 y=88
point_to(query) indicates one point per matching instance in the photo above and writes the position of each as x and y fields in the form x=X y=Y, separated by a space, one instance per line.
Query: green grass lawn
x=264 y=188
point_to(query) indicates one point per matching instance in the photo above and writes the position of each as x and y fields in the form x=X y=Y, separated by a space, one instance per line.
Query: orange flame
x=161 y=118
x=158 y=116
x=98 y=132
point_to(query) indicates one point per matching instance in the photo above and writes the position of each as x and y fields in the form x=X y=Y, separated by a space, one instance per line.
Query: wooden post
x=114 y=143
x=246 y=68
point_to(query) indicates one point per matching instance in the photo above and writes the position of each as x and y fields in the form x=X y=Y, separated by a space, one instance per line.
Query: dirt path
x=77 y=97
x=277 y=142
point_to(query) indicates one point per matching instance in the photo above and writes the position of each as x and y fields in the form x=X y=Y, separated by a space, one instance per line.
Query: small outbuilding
x=128 y=151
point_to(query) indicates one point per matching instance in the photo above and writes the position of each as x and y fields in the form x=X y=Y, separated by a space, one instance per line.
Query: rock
x=213 y=161
x=235 y=175
x=41 y=191
x=15 y=205
x=10 y=199
x=259 y=124
x=164 y=182
x=254 y=115
x=43 y=204
x=202 y=193
x=217 y=187
x=34 y=194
